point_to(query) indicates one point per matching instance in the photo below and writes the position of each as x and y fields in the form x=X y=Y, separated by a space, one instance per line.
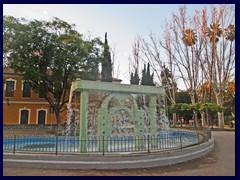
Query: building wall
x=13 y=105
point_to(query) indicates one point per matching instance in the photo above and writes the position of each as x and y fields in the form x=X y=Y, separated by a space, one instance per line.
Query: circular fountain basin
x=112 y=144
x=108 y=161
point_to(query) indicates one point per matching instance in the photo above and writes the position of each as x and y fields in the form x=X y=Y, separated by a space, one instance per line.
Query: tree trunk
x=58 y=120
x=192 y=95
x=207 y=118
x=220 y=114
x=221 y=119
x=174 y=116
x=203 y=119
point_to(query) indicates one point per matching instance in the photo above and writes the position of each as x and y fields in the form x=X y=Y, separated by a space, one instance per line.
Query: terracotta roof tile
x=9 y=71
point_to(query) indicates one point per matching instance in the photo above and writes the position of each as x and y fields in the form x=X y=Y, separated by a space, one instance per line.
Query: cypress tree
x=134 y=78
x=147 y=78
x=144 y=77
x=106 y=63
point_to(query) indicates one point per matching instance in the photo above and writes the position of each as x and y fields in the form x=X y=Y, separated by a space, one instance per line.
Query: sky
x=122 y=22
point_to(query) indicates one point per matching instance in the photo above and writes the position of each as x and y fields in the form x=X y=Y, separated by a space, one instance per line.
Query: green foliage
x=194 y=107
x=186 y=110
x=183 y=97
x=227 y=119
x=106 y=63
x=147 y=78
x=134 y=78
x=229 y=99
x=176 y=108
x=211 y=107
x=181 y=109
x=50 y=55
x=185 y=107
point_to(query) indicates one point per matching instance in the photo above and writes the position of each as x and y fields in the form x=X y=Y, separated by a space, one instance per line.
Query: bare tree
x=195 y=52
x=134 y=60
x=187 y=49
x=115 y=66
x=218 y=57
x=148 y=51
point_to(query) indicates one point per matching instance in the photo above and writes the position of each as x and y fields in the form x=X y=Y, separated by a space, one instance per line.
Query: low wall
x=119 y=161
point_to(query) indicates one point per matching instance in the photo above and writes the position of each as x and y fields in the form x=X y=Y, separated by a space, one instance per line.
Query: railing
x=125 y=144
x=31 y=126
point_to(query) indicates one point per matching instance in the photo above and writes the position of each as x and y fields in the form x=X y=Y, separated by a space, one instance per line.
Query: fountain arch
x=123 y=94
x=106 y=113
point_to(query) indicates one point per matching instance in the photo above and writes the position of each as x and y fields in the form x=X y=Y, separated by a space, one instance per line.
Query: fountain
x=114 y=118
x=119 y=110
x=69 y=124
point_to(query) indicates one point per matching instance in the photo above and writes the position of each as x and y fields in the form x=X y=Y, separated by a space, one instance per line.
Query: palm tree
x=214 y=32
x=230 y=33
x=189 y=37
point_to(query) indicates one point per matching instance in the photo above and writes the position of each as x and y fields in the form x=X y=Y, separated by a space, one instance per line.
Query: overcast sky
x=122 y=22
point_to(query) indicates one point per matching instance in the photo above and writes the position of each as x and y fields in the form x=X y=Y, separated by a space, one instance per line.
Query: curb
x=107 y=162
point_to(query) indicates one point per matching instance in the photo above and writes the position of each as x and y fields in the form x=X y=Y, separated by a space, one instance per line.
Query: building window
x=26 y=89
x=10 y=86
x=41 y=117
x=42 y=91
x=24 y=117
